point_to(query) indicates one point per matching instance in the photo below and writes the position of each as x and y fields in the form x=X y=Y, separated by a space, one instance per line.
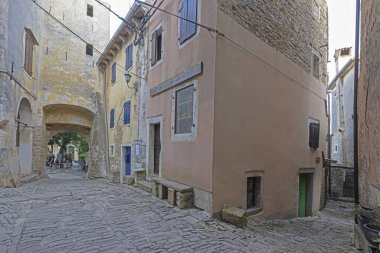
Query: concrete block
x=155 y=189
x=140 y=175
x=171 y=196
x=162 y=191
x=234 y=215
x=185 y=199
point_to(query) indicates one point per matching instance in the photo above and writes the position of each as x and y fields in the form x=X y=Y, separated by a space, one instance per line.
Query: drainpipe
x=355 y=111
x=105 y=121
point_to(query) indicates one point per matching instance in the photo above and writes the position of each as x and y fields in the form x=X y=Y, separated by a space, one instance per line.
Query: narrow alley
x=66 y=212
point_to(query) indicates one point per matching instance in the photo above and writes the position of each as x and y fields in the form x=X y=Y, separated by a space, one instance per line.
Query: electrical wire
x=83 y=40
x=220 y=34
x=131 y=26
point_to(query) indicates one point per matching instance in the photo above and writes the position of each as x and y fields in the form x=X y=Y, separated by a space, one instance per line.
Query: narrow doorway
x=157 y=149
x=127 y=160
x=305 y=194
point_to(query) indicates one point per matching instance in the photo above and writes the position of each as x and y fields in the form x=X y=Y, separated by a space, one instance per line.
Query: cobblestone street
x=69 y=213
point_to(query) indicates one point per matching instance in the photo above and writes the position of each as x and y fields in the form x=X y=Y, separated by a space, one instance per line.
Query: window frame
x=28 y=54
x=260 y=200
x=129 y=112
x=189 y=36
x=153 y=48
x=313 y=140
x=315 y=54
x=88 y=47
x=112 y=118
x=112 y=152
x=90 y=7
x=113 y=73
x=129 y=53
x=185 y=137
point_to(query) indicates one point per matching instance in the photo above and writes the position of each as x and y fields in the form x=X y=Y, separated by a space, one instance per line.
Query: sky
x=341 y=24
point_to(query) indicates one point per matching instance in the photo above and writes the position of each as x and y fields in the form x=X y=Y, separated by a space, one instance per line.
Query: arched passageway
x=24 y=136
x=79 y=122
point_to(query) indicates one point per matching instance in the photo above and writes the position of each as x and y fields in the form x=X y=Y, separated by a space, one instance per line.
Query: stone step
x=145 y=185
x=29 y=178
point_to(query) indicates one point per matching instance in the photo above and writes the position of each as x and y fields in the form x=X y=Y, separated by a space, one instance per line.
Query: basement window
x=253 y=192
x=90 y=10
x=89 y=50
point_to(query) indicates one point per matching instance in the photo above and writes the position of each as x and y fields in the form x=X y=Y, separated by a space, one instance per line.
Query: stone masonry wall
x=293 y=27
x=369 y=105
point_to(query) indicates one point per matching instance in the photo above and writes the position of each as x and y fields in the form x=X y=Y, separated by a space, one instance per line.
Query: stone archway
x=59 y=118
x=24 y=136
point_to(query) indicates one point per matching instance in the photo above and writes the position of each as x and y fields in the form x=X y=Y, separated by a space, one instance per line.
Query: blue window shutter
x=192 y=16
x=113 y=72
x=112 y=118
x=127 y=112
x=182 y=22
x=128 y=56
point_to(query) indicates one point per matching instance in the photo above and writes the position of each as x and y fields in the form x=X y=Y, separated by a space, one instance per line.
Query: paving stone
x=81 y=215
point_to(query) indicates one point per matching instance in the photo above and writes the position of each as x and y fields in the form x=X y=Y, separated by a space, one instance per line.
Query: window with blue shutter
x=188 y=11
x=113 y=72
x=127 y=112
x=112 y=118
x=128 y=56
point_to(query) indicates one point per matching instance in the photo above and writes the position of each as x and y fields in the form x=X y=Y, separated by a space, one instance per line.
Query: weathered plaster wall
x=369 y=105
x=187 y=162
x=342 y=119
x=69 y=76
x=263 y=105
x=15 y=17
x=291 y=27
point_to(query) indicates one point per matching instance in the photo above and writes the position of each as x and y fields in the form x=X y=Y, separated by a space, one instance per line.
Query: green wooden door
x=302 y=195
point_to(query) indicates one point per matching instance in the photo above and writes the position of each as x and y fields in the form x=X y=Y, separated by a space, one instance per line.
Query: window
x=112 y=118
x=315 y=66
x=89 y=49
x=90 y=10
x=313 y=134
x=128 y=56
x=112 y=151
x=188 y=11
x=113 y=76
x=253 y=192
x=28 y=60
x=156 y=46
x=184 y=110
x=127 y=112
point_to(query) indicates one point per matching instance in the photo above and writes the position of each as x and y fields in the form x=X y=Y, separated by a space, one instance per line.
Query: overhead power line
x=79 y=37
x=220 y=34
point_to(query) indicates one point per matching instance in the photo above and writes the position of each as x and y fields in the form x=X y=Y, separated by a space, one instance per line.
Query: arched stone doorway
x=24 y=136
x=59 y=118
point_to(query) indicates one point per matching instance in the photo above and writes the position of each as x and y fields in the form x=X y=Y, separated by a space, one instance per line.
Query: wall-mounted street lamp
x=127 y=76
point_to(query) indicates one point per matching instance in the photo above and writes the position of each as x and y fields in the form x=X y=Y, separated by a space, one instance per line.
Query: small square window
x=90 y=10
x=184 y=101
x=253 y=192
x=89 y=50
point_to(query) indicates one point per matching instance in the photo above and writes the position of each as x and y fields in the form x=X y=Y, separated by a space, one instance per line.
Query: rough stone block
x=171 y=196
x=234 y=215
x=116 y=177
x=162 y=191
x=129 y=180
x=155 y=189
x=185 y=199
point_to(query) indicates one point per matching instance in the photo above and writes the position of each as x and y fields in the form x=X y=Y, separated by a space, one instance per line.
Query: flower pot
x=371 y=231
x=361 y=219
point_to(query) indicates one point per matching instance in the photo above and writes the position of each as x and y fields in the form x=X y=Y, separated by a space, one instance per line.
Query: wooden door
x=127 y=159
x=157 y=149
